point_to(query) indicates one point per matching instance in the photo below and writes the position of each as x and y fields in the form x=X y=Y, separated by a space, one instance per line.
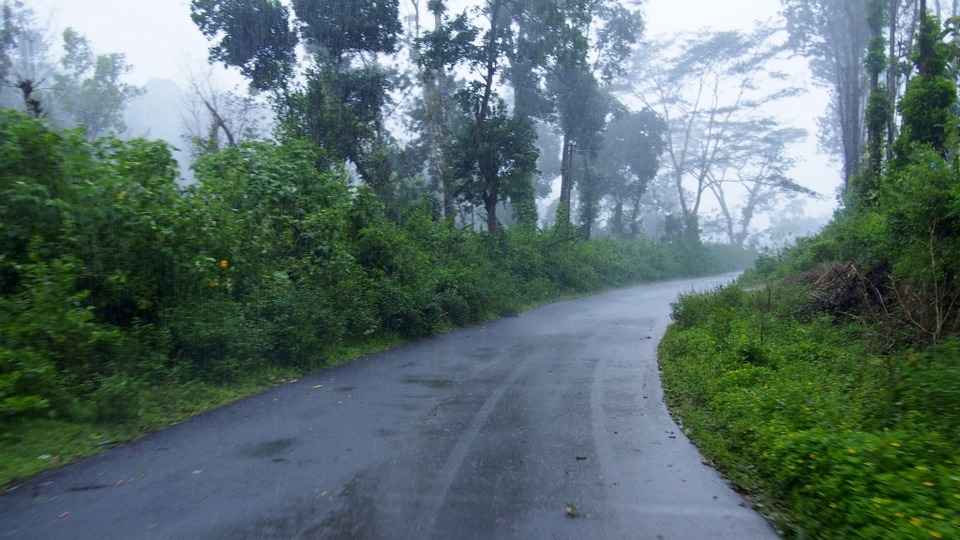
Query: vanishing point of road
x=547 y=425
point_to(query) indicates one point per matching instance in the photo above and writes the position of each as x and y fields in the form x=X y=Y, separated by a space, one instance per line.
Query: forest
x=390 y=170
x=308 y=230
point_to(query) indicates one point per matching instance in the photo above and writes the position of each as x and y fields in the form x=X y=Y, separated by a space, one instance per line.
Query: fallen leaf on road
x=571 y=511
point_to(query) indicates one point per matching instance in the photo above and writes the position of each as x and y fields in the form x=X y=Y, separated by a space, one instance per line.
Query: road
x=546 y=425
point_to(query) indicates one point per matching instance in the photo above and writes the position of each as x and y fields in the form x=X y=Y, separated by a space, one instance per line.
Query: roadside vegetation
x=387 y=172
x=826 y=382
x=127 y=302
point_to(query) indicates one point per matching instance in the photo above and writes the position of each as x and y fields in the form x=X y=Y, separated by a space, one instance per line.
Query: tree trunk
x=588 y=199
x=566 y=185
x=524 y=84
x=616 y=221
x=30 y=102
x=893 y=78
x=490 y=205
x=635 y=218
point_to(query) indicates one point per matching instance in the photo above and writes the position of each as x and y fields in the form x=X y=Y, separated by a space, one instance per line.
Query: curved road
x=498 y=431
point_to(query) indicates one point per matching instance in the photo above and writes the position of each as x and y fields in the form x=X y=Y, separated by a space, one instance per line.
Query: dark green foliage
x=628 y=161
x=832 y=390
x=340 y=112
x=836 y=440
x=927 y=112
x=348 y=26
x=494 y=159
x=115 y=281
x=927 y=106
x=878 y=106
x=254 y=35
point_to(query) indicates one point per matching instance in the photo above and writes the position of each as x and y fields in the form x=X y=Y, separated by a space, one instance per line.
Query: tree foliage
x=835 y=36
x=90 y=88
x=339 y=27
x=113 y=278
x=252 y=35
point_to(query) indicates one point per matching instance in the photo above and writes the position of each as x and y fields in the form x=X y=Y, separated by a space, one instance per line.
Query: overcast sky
x=161 y=42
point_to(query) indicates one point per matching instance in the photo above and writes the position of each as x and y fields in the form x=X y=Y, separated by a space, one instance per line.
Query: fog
x=165 y=49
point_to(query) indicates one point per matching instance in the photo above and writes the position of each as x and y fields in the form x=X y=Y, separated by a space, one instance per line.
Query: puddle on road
x=429 y=382
x=268 y=449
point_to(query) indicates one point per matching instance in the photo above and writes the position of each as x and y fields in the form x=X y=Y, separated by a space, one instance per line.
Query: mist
x=167 y=109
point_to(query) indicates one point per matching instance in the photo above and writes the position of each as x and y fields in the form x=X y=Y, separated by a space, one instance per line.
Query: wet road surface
x=499 y=431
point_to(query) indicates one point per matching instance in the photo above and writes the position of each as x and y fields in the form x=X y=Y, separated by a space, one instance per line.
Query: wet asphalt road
x=489 y=432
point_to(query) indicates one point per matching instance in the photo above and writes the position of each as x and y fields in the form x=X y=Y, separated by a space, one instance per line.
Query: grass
x=33 y=445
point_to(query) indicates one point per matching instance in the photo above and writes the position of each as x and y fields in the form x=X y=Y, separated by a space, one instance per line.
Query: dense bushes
x=113 y=279
x=838 y=440
x=831 y=391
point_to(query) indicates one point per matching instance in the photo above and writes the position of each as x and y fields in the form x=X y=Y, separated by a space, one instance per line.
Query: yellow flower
x=224 y=264
x=895 y=444
x=813 y=456
x=851 y=450
x=928 y=483
x=935 y=534
x=915 y=521
x=899 y=514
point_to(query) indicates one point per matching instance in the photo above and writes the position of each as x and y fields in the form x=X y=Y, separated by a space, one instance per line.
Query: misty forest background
x=379 y=179
x=388 y=171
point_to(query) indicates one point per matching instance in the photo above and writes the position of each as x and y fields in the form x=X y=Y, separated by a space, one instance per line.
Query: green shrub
x=839 y=442
x=114 y=280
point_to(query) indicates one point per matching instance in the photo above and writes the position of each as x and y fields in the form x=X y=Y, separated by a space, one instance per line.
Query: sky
x=162 y=42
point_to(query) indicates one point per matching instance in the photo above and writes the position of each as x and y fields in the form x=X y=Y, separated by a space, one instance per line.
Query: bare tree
x=214 y=115
x=28 y=68
x=756 y=168
x=730 y=79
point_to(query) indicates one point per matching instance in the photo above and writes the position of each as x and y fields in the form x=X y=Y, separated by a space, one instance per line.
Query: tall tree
x=90 y=88
x=835 y=35
x=218 y=118
x=535 y=42
x=8 y=35
x=752 y=176
x=29 y=69
x=628 y=161
x=339 y=101
x=893 y=73
x=438 y=85
x=878 y=108
x=927 y=105
x=715 y=83
x=582 y=110
x=495 y=149
x=591 y=47
x=252 y=35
